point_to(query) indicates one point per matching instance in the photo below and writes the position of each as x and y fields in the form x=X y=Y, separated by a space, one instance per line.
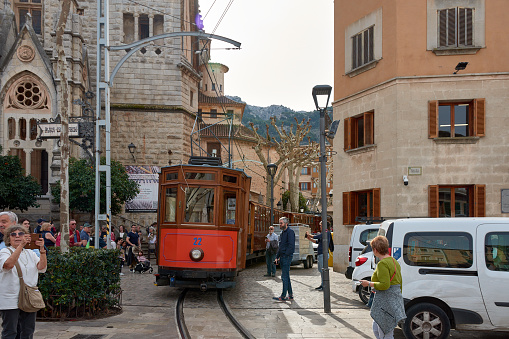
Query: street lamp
x=272 y=169
x=322 y=93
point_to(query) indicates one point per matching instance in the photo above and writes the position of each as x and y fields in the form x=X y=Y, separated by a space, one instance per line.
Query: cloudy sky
x=287 y=48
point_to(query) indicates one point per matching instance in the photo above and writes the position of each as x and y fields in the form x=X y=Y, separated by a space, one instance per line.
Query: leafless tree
x=292 y=155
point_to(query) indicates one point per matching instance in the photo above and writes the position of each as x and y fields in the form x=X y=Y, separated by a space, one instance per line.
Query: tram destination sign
x=53 y=130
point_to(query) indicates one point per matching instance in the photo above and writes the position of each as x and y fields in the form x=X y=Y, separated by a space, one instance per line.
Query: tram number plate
x=197 y=242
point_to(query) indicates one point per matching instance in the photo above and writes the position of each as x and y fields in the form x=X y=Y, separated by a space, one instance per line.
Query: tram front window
x=199 y=205
x=171 y=204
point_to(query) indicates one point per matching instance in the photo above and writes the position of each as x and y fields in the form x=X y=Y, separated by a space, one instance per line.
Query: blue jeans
x=269 y=259
x=285 y=275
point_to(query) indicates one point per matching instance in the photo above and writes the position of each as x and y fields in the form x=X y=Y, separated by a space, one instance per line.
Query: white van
x=455 y=272
x=361 y=236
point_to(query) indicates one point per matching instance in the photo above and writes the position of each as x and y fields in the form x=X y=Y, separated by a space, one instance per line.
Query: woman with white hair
x=14 y=319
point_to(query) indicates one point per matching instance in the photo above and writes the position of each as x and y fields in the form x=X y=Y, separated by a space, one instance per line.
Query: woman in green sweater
x=388 y=308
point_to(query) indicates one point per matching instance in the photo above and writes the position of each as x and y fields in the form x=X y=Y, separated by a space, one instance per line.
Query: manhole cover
x=88 y=336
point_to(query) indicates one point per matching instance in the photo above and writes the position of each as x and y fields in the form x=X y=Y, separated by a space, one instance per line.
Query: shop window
x=360 y=204
x=457 y=201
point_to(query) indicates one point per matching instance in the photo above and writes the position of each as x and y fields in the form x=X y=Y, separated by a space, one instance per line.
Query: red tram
x=208 y=228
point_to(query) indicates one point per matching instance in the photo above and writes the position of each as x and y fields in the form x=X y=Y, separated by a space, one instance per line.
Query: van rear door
x=493 y=266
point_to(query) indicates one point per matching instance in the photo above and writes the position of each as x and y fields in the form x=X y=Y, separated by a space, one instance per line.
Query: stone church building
x=154 y=99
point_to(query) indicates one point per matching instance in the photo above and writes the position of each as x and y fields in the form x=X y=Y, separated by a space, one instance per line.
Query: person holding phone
x=16 y=322
x=270 y=252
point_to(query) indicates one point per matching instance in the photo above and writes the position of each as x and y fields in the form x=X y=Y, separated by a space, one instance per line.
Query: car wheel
x=310 y=262
x=426 y=321
x=306 y=263
x=364 y=292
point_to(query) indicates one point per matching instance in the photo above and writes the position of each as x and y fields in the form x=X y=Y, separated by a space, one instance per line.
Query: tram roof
x=207 y=167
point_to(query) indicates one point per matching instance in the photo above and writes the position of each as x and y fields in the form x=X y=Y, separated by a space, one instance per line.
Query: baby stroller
x=142 y=267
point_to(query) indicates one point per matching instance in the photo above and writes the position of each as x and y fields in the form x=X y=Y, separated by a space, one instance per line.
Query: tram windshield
x=199 y=205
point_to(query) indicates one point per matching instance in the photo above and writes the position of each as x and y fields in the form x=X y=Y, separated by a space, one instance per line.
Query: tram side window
x=230 y=204
x=199 y=205
x=171 y=204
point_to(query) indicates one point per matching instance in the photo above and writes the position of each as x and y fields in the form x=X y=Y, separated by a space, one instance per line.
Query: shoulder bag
x=372 y=294
x=30 y=298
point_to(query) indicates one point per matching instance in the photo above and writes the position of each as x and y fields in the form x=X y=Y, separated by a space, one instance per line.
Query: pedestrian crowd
x=23 y=256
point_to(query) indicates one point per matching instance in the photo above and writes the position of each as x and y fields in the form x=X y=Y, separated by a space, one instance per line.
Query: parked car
x=454 y=271
x=361 y=236
x=364 y=268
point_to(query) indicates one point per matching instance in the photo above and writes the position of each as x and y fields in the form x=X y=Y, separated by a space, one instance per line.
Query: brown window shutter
x=376 y=202
x=433 y=118
x=346 y=208
x=465 y=26
x=479 y=200
x=433 y=201
x=368 y=128
x=479 y=117
x=348 y=132
x=451 y=27
x=442 y=28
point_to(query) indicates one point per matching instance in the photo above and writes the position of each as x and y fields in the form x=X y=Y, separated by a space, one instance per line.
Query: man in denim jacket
x=284 y=256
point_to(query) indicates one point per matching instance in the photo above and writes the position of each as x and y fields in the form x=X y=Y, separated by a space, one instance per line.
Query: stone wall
x=401 y=141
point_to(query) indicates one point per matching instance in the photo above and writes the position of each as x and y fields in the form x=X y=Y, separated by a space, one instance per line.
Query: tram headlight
x=196 y=254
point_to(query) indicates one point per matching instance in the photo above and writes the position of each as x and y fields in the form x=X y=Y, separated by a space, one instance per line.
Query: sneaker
x=121 y=273
x=131 y=270
x=266 y=275
x=290 y=297
x=319 y=288
x=279 y=298
x=273 y=275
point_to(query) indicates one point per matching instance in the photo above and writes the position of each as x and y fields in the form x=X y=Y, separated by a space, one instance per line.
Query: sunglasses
x=14 y=234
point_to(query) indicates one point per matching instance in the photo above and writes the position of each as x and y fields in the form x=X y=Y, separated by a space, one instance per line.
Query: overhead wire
x=223 y=15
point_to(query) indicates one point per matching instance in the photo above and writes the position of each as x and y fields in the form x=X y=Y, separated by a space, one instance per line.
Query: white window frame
x=479 y=38
x=372 y=19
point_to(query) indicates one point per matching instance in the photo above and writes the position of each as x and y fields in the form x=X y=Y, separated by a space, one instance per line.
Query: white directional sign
x=53 y=131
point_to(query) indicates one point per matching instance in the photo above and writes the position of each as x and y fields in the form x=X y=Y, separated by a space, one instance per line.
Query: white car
x=455 y=273
x=361 y=236
x=364 y=268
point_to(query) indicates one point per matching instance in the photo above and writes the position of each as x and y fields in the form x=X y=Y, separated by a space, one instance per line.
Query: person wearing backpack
x=271 y=249
x=317 y=239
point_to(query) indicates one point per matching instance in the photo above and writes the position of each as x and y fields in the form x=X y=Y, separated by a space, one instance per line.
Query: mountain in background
x=260 y=116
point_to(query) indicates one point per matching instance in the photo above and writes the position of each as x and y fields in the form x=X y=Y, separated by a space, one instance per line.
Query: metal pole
x=271 y=200
x=323 y=198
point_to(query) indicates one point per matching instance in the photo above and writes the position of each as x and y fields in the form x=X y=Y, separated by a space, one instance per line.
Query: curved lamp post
x=272 y=169
x=321 y=96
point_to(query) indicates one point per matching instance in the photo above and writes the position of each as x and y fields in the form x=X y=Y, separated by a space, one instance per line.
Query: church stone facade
x=154 y=98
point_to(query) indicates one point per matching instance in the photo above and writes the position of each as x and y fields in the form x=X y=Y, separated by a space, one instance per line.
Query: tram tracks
x=180 y=319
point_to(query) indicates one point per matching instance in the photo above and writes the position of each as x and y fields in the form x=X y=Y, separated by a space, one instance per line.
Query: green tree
x=17 y=190
x=82 y=186
x=302 y=201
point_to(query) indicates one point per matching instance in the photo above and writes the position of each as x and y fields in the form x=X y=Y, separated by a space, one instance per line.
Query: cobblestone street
x=148 y=311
